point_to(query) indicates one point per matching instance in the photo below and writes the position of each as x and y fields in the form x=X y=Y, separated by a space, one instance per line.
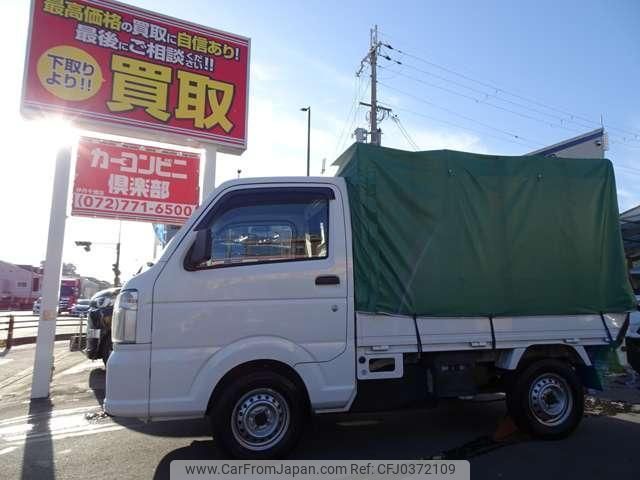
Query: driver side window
x=268 y=225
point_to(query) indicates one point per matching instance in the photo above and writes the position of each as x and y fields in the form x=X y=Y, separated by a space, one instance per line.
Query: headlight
x=125 y=311
x=104 y=301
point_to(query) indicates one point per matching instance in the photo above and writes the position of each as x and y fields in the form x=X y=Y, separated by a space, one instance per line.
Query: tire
x=258 y=416
x=546 y=399
x=107 y=348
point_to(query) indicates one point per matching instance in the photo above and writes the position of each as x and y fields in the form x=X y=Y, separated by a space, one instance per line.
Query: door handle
x=328 y=280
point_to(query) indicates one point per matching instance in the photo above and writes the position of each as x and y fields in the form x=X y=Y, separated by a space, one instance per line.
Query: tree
x=69 y=269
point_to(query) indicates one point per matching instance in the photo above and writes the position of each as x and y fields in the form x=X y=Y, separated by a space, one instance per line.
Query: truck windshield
x=66 y=291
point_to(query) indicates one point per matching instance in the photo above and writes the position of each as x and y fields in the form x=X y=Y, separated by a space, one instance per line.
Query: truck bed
x=397 y=333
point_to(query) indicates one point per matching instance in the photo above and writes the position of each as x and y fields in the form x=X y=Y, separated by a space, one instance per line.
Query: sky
x=498 y=77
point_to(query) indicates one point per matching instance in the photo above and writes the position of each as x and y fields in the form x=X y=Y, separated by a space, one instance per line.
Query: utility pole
x=372 y=59
x=116 y=266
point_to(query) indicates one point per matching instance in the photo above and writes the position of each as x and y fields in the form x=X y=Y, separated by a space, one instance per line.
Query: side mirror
x=201 y=249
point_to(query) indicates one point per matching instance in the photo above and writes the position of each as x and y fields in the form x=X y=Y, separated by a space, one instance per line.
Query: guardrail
x=15 y=323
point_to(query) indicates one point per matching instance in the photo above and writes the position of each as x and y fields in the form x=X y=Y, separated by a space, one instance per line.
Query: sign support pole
x=43 y=362
x=209 y=179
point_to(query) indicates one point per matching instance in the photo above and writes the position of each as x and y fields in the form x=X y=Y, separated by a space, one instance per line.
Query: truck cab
x=249 y=317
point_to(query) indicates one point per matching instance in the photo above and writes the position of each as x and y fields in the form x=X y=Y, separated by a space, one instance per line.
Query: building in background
x=588 y=145
x=20 y=285
x=630 y=228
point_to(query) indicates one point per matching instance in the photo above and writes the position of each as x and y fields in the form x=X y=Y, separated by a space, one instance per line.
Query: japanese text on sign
x=102 y=61
x=135 y=182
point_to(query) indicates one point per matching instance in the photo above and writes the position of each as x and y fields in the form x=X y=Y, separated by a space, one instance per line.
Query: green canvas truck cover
x=446 y=233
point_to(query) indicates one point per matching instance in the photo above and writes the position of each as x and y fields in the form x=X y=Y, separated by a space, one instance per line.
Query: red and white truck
x=72 y=289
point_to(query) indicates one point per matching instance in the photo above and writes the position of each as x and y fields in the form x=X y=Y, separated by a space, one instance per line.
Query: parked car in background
x=36 y=306
x=99 y=324
x=80 y=308
x=632 y=340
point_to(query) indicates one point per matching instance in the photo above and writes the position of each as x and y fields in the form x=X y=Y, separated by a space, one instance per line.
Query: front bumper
x=127 y=392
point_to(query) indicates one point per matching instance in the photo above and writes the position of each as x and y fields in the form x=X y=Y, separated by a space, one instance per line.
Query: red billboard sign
x=135 y=182
x=135 y=72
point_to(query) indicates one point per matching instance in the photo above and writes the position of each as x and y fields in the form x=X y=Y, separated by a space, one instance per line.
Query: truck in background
x=73 y=289
x=410 y=279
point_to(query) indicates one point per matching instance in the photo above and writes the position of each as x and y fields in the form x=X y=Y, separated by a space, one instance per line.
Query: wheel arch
x=519 y=358
x=267 y=365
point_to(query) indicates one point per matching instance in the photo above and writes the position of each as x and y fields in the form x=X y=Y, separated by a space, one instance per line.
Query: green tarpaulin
x=448 y=233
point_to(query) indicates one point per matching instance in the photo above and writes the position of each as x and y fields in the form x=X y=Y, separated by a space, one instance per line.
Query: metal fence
x=22 y=328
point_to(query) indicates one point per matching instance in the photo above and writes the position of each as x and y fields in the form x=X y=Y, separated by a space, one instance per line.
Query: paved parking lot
x=66 y=436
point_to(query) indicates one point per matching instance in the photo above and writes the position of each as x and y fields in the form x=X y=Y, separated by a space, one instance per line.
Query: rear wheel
x=546 y=399
x=258 y=416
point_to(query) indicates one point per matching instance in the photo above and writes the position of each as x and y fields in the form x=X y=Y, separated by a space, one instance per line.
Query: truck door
x=277 y=268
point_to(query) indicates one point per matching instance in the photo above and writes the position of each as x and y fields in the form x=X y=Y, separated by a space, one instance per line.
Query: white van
x=249 y=317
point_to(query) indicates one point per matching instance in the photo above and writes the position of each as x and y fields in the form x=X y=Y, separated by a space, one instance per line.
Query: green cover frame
x=446 y=233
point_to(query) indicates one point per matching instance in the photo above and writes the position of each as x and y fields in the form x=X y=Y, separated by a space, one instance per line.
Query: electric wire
x=352 y=115
x=485 y=96
x=404 y=132
x=453 y=124
x=498 y=90
x=479 y=101
x=476 y=100
x=525 y=140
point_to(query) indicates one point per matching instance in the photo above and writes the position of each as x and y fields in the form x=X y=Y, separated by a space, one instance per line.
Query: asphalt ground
x=67 y=436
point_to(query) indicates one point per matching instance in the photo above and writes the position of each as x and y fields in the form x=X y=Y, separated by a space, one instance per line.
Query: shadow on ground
x=97 y=379
x=399 y=435
x=38 y=457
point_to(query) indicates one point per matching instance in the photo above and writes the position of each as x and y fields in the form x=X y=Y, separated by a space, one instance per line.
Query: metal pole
x=373 y=58
x=308 y=141
x=155 y=246
x=9 y=333
x=116 y=266
x=43 y=362
x=80 y=334
x=209 y=179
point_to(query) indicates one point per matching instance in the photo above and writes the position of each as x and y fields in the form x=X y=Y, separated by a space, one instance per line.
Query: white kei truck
x=407 y=278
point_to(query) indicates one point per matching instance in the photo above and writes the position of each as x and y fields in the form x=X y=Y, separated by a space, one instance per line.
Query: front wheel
x=107 y=348
x=546 y=399
x=258 y=416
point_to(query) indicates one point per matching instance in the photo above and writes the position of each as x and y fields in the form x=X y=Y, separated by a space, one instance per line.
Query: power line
x=499 y=90
x=404 y=133
x=625 y=145
x=482 y=101
x=615 y=141
x=531 y=142
x=453 y=124
x=356 y=93
x=629 y=169
x=353 y=112
x=485 y=96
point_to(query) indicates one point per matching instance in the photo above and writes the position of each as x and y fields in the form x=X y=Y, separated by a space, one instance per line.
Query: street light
x=308 y=110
